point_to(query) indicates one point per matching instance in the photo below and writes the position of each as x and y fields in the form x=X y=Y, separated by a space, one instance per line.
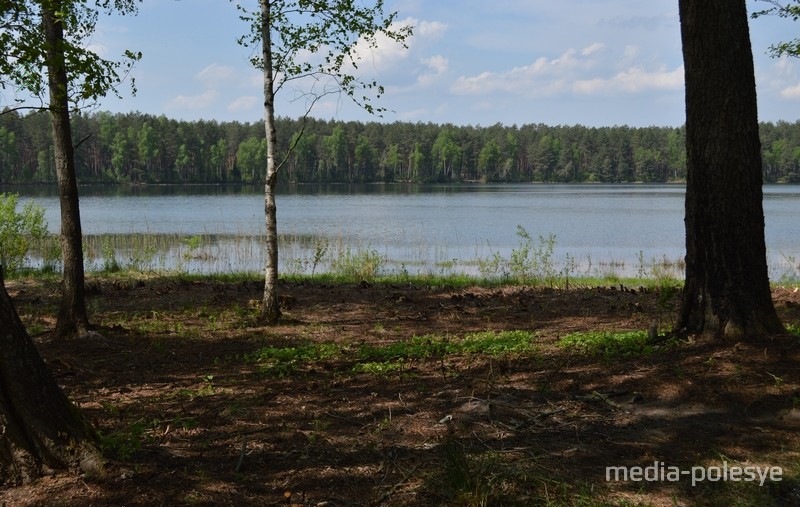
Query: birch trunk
x=270 y=309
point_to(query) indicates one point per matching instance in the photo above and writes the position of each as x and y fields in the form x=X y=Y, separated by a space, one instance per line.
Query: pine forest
x=140 y=148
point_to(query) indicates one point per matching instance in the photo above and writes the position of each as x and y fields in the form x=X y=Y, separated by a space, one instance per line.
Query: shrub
x=19 y=230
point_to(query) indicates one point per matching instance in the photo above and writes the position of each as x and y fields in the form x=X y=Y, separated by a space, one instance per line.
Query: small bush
x=19 y=230
x=363 y=265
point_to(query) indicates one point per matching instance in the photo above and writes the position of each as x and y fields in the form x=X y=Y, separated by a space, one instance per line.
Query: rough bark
x=39 y=428
x=727 y=291
x=72 y=316
x=270 y=308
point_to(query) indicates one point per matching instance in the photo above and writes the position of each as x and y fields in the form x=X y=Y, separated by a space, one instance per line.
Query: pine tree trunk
x=727 y=291
x=72 y=316
x=40 y=427
x=270 y=308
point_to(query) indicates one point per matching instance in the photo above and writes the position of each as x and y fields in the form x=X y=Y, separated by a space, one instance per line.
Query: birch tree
x=316 y=45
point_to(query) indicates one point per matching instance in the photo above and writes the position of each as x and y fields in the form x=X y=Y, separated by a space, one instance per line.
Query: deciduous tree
x=287 y=32
x=52 y=35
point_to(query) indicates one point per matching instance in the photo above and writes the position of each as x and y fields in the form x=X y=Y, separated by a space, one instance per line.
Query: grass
x=476 y=478
x=383 y=359
x=608 y=344
x=464 y=471
x=531 y=262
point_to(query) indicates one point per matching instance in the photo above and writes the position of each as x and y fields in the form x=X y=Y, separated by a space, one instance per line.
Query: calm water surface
x=604 y=228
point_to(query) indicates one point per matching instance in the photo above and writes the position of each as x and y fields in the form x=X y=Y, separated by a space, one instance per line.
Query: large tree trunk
x=270 y=309
x=72 y=316
x=40 y=428
x=727 y=291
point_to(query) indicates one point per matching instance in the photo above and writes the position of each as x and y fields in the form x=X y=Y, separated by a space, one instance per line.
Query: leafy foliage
x=363 y=265
x=383 y=359
x=783 y=10
x=531 y=262
x=19 y=230
x=23 y=52
x=337 y=33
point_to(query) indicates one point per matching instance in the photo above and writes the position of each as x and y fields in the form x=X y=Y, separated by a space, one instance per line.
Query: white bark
x=270 y=309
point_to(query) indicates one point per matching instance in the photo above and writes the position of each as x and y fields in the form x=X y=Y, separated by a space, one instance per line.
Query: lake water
x=598 y=229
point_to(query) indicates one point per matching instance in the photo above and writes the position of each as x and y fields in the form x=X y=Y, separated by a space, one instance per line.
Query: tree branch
x=82 y=141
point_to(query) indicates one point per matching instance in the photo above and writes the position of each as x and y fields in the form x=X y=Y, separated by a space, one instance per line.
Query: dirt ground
x=189 y=415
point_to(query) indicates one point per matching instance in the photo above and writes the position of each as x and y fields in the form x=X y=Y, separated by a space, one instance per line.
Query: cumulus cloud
x=581 y=72
x=632 y=80
x=541 y=78
x=386 y=54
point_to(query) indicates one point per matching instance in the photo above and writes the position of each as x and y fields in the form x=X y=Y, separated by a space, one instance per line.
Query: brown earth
x=189 y=417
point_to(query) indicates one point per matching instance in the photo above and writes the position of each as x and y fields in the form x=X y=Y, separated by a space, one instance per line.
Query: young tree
x=52 y=35
x=287 y=32
x=727 y=291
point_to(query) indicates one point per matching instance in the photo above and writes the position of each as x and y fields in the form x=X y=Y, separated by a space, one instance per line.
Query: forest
x=142 y=148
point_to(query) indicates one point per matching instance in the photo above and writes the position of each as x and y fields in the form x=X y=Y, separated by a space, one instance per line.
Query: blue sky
x=470 y=62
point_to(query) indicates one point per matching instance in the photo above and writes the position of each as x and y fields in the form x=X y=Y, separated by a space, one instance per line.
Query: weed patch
x=608 y=344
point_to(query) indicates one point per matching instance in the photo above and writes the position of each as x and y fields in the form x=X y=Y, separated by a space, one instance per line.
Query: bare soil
x=188 y=417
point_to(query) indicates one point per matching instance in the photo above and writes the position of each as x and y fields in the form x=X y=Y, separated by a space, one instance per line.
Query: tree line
x=143 y=148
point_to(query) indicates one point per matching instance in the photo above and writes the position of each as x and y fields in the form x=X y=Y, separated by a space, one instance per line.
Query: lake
x=598 y=230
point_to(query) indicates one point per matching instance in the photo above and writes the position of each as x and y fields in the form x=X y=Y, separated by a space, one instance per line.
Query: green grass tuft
x=609 y=344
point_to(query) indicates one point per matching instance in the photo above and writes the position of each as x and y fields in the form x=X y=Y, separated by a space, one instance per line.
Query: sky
x=469 y=62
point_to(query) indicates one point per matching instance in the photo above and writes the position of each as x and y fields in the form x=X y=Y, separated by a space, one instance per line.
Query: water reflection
x=605 y=229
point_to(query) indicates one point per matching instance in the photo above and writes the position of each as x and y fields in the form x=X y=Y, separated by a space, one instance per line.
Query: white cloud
x=779 y=78
x=791 y=92
x=244 y=104
x=428 y=29
x=632 y=80
x=215 y=73
x=638 y=79
x=590 y=86
x=99 y=49
x=437 y=66
x=200 y=101
x=592 y=49
x=386 y=53
x=437 y=63
x=577 y=72
x=383 y=55
x=542 y=78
